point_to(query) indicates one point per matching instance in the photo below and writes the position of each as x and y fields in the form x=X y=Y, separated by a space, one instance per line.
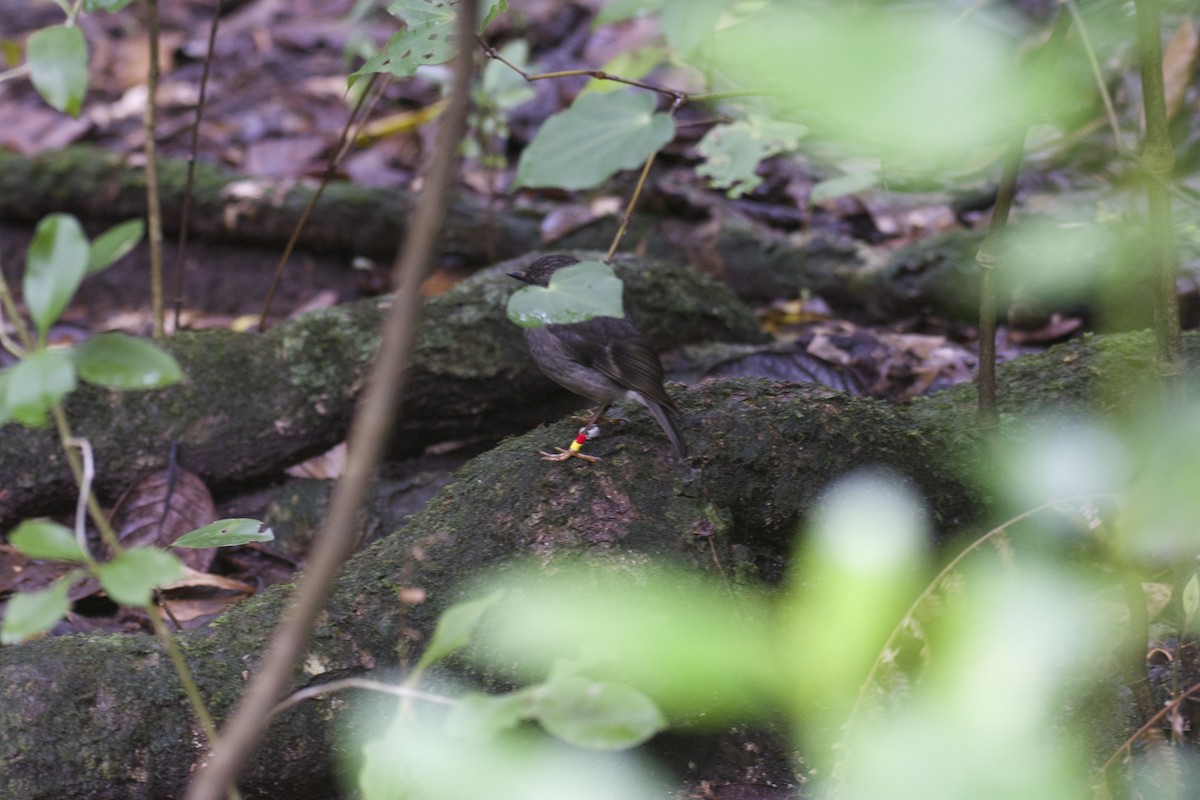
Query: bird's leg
x=597 y=417
x=590 y=431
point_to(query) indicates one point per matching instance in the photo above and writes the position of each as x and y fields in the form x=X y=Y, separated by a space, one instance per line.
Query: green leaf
x=594 y=138
x=111 y=6
x=734 y=151
x=900 y=80
x=41 y=538
x=36 y=382
x=505 y=87
x=115 y=242
x=620 y=10
x=576 y=293
x=596 y=714
x=58 y=66
x=636 y=63
x=428 y=38
x=686 y=26
x=30 y=613
x=120 y=361
x=226 y=533
x=480 y=717
x=55 y=264
x=842 y=185
x=681 y=639
x=131 y=577
x=488 y=13
x=455 y=627
x=1191 y=597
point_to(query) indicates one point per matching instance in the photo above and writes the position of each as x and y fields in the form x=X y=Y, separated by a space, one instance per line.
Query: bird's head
x=538 y=273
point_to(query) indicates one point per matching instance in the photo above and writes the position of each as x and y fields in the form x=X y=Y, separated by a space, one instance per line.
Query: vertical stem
x=1158 y=159
x=988 y=256
x=368 y=437
x=153 y=207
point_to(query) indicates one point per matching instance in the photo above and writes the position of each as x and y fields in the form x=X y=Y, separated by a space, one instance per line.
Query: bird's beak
x=519 y=276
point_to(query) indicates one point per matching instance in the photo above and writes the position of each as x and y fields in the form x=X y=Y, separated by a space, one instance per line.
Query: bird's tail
x=667 y=421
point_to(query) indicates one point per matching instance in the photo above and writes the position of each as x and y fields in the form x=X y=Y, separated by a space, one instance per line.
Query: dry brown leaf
x=161 y=507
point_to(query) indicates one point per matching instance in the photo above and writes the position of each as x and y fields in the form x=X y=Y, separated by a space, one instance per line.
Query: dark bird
x=604 y=359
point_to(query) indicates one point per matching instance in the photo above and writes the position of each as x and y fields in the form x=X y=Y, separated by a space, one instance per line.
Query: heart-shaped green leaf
x=594 y=138
x=576 y=293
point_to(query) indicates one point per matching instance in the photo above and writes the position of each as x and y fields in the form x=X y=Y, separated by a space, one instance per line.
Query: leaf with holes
x=226 y=533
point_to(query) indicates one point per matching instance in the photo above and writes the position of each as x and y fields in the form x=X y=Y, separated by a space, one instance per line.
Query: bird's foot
x=581 y=438
x=563 y=454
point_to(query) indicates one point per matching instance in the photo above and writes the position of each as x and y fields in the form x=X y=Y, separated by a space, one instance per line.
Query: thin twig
x=369 y=434
x=153 y=203
x=185 y=211
x=85 y=490
x=359 y=683
x=330 y=168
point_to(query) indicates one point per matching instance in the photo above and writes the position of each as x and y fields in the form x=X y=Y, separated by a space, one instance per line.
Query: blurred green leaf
x=842 y=185
x=419 y=761
x=226 y=533
x=596 y=714
x=902 y=79
x=120 y=361
x=111 y=6
x=115 y=242
x=688 y=26
x=481 y=717
x=29 y=613
x=54 y=266
x=686 y=642
x=35 y=383
x=41 y=538
x=618 y=10
x=131 y=577
x=575 y=294
x=505 y=87
x=594 y=138
x=58 y=66
x=455 y=628
x=634 y=64
x=734 y=150
x=856 y=572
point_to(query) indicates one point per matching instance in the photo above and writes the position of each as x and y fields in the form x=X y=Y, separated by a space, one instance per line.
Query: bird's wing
x=614 y=348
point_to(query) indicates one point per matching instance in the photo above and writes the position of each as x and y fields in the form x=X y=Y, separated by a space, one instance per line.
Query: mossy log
x=96 y=717
x=252 y=405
